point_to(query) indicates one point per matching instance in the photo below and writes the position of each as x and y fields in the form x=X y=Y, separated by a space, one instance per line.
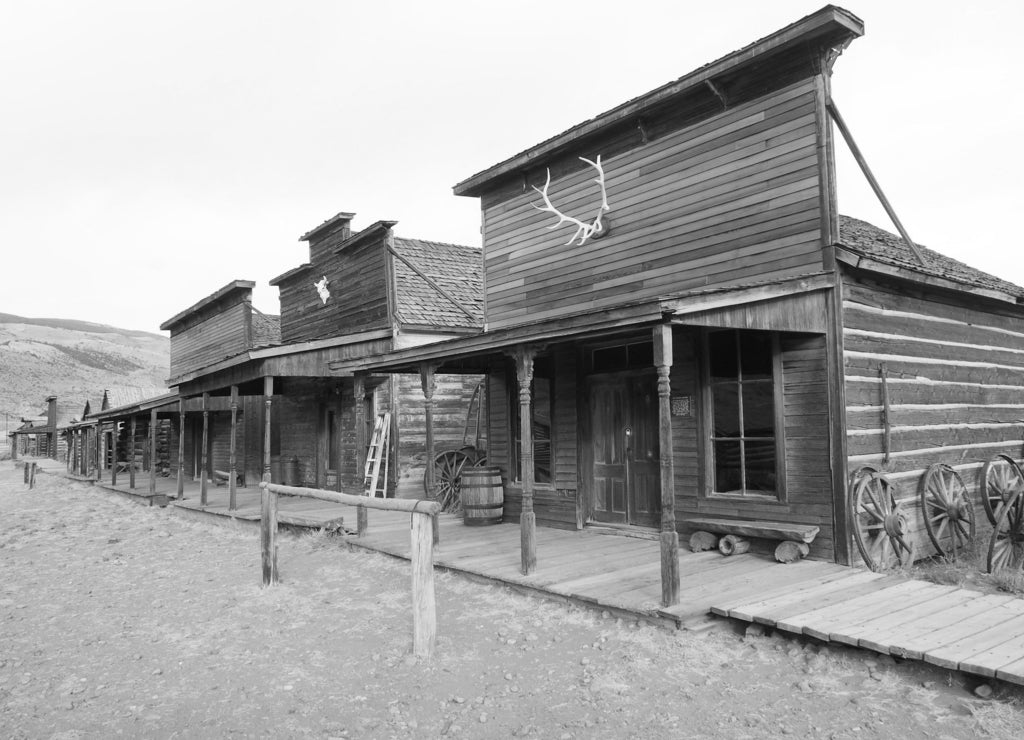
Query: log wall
x=733 y=198
x=954 y=380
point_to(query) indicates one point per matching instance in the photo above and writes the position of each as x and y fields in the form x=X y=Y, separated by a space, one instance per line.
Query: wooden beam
x=268 y=396
x=181 y=449
x=232 y=457
x=668 y=536
x=131 y=456
x=428 y=384
x=424 y=610
x=203 y=461
x=113 y=453
x=359 y=414
x=523 y=357
x=152 y=452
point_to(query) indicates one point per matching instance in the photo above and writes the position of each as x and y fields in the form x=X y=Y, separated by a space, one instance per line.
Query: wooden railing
x=424 y=515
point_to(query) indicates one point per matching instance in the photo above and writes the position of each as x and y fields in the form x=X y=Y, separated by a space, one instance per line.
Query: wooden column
x=113 y=454
x=181 y=448
x=99 y=450
x=429 y=385
x=268 y=395
x=232 y=461
x=131 y=454
x=152 y=452
x=669 y=537
x=268 y=533
x=359 y=414
x=528 y=520
x=203 y=461
x=424 y=610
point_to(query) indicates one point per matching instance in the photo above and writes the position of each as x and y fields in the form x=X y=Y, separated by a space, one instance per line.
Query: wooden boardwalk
x=946 y=626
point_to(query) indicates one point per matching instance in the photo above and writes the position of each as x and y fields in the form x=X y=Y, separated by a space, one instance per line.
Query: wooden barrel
x=483 y=496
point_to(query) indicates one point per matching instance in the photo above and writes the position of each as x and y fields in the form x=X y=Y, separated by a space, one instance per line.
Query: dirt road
x=117 y=619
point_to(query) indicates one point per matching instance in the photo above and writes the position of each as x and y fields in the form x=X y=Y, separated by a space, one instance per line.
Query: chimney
x=326 y=237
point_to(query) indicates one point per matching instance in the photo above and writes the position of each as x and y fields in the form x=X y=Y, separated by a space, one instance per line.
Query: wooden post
x=152 y=452
x=131 y=455
x=268 y=395
x=203 y=462
x=668 y=536
x=429 y=385
x=527 y=520
x=424 y=614
x=32 y=476
x=181 y=448
x=114 y=433
x=359 y=414
x=232 y=456
x=268 y=533
x=99 y=450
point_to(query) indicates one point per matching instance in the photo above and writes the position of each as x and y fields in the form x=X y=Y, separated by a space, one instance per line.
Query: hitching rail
x=424 y=513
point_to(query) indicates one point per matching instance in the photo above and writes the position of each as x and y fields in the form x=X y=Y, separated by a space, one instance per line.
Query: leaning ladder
x=374 y=483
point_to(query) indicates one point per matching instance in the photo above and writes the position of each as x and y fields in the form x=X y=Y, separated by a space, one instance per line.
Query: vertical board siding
x=211 y=340
x=955 y=384
x=726 y=200
x=565 y=437
x=358 y=301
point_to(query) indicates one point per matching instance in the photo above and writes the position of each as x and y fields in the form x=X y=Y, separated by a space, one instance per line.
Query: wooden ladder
x=373 y=483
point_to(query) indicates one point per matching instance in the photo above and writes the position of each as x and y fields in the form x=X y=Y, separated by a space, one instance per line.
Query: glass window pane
x=641 y=355
x=727 y=467
x=758 y=408
x=727 y=410
x=609 y=359
x=756 y=354
x=722 y=359
x=760 y=466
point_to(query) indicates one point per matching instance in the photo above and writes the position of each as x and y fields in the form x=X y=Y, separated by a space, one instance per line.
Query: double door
x=625 y=472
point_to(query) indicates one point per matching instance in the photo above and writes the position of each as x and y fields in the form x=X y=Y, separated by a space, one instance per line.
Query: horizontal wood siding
x=955 y=386
x=565 y=435
x=733 y=198
x=358 y=302
x=808 y=498
x=498 y=442
x=215 y=338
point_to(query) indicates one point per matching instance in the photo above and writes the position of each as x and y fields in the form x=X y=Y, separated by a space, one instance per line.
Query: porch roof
x=164 y=402
x=477 y=352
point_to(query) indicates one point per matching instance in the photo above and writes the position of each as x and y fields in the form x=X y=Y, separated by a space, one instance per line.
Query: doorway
x=625 y=471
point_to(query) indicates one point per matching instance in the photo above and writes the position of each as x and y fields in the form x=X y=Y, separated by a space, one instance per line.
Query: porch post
x=527 y=520
x=181 y=448
x=203 y=462
x=359 y=415
x=152 y=452
x=669 y=537
x=268 y=395
x=113 y=453
x=131 y=455
x=429 y=385
x=98 y=431
x=232 y=457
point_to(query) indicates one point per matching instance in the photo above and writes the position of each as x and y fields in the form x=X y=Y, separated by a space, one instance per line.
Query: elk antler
x=583 y=230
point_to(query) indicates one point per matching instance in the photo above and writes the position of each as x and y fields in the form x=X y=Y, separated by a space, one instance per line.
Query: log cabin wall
x=954 y=368
x=731 y=198
x=357 y=281
x=218 y=331
x=453 y=394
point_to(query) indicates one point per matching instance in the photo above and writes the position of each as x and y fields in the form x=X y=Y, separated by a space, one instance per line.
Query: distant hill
x=73 y=360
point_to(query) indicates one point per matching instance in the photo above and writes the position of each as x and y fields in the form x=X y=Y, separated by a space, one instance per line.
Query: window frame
x=707 y=441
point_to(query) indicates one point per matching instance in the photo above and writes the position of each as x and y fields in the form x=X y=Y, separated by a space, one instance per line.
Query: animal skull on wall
x=321 y=289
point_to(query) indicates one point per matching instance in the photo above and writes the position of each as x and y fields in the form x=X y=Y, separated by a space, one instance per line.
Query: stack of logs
x=787 y=551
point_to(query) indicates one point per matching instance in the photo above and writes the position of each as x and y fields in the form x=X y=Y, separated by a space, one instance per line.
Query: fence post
x=268 y=533
x=424 y=613
x=32 y=476
x=361 y=520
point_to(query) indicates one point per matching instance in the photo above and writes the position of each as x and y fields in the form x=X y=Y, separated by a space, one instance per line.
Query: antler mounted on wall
x=584 y=230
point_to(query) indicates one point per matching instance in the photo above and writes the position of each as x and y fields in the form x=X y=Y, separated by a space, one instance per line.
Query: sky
x=152 y=152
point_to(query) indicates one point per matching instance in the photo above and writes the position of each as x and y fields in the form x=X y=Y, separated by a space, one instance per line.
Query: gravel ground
x=117 y=619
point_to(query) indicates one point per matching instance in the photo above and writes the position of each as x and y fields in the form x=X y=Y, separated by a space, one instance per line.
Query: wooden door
x=625 y=475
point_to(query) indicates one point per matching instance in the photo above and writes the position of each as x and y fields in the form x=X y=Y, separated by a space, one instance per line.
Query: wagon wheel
x=947 y=509
x=1006 y=548
x=879 y=524
x=1001 y=477
x=447 y=479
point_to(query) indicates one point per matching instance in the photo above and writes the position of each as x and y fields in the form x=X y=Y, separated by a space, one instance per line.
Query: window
x=541 y=409
x=743 y=369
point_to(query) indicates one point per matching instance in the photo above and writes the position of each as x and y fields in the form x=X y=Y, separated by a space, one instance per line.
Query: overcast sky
x=151 y=152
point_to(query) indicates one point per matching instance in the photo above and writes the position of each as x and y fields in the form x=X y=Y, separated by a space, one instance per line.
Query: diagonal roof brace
x=432 y=283
x=855 y=150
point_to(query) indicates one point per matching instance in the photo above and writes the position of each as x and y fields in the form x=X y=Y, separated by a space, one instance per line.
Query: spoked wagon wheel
x=879 y=524
x=1006 y=548
x=1001 y=477
x=947 y=510
x=447 y=479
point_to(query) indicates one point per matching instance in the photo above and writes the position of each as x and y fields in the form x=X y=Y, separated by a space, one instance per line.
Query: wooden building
x=714 y=342
x=256 y=394
x=41 y=436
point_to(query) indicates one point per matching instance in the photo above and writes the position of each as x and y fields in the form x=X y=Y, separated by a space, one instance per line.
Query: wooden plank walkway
x=950 y=627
